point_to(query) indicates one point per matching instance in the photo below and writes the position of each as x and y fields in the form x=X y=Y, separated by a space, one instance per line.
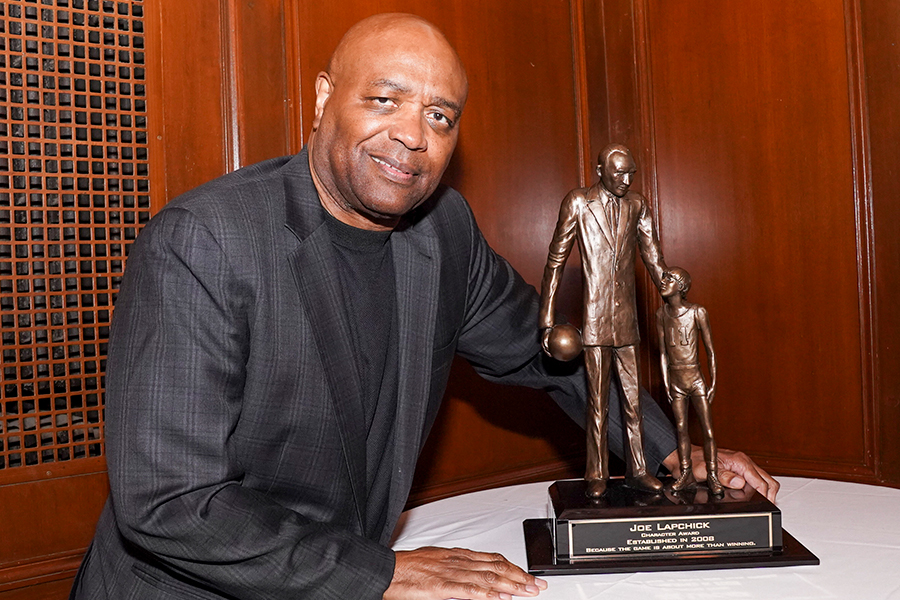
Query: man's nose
x=626 y=178
x=408 y=128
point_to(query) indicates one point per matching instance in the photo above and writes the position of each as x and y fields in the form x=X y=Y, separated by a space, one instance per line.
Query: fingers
x=545 y=341
x=736 y=469
x=741 y=468
x=441 y=573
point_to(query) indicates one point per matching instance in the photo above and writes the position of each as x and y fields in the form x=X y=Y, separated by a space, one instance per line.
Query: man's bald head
x=386 y=121
x=374 y=32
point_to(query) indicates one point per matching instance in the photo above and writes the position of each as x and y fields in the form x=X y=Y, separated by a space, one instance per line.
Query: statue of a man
x=680 y=325
x=610 y=222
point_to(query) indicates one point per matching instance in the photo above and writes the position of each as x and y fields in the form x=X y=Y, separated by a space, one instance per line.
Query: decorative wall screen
x=74 y=192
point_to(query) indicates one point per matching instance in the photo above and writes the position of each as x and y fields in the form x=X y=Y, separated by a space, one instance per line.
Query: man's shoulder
x=581 y=195
x=254 y=183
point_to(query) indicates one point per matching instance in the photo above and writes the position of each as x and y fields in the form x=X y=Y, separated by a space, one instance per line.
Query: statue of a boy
x=680 y=325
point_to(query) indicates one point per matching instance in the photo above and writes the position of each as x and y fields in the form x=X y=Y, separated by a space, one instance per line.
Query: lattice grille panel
x=74 y=192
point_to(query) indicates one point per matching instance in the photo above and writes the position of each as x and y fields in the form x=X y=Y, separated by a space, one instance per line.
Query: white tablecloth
x=854 y=530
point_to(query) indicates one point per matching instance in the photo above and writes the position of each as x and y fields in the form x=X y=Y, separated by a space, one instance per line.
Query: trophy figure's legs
x=701 y=405
x=597 y=363
x=628 y=367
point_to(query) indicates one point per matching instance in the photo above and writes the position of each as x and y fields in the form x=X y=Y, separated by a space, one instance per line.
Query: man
x=609 y=222
x=680 y=325
x=257 y=447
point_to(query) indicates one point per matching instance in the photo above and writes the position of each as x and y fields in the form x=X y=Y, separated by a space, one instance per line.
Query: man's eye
x=381 y=101
x=442 y=119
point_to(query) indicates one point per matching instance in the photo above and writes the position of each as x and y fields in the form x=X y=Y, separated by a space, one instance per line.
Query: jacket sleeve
x=648 y=242
x=501 y=339
x=560 y=248
x=176 y=372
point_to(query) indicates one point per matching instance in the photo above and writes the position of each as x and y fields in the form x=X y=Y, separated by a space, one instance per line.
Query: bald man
x=281 y=343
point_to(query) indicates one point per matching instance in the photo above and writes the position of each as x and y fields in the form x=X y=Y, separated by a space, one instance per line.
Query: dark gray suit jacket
x=234 y=431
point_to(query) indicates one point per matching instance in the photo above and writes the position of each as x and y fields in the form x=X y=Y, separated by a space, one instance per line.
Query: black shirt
x=366 y=271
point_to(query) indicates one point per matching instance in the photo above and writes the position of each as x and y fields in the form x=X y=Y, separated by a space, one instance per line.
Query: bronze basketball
x=564 y=342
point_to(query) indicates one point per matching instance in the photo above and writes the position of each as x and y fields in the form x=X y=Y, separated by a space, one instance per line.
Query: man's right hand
x=442 y=573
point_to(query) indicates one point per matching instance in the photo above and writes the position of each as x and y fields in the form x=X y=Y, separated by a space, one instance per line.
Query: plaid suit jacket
x=235 y=443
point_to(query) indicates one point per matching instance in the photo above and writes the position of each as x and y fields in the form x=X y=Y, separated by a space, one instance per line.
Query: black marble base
x=542 y=560
x=631 y=530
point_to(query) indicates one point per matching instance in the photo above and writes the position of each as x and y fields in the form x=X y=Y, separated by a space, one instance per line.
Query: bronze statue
x=679 y=324
x=609 y=222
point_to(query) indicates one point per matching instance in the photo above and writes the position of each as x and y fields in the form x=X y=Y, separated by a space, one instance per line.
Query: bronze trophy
x=601 y=524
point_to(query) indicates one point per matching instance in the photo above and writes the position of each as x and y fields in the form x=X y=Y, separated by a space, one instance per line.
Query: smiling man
x=281 y=344
x=387 y=114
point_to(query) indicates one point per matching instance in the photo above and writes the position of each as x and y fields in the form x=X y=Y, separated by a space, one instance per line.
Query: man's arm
x=663 y=357
x=703 y=324
x=648 y=243
x=175 y=384
x=560 y=248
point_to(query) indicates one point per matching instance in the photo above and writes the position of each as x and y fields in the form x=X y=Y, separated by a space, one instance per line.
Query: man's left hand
x=735 y=470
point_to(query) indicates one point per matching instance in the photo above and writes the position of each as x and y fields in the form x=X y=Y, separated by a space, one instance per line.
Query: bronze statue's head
x=616 y=169
x=386 y=119
x=675 y=280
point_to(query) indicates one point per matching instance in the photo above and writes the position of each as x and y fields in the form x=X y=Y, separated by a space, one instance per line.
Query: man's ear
x=324 y=87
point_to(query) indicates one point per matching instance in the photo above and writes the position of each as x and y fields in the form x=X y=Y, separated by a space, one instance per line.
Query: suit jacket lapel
x=416 y=259
x=312 y=263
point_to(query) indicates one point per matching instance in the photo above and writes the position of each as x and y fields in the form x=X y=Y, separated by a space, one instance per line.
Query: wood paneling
x=881 y=37
x=46 y=527
x=755 y=156
x=219 y=99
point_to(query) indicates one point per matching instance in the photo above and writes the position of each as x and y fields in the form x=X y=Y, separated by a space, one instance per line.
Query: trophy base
x=542 y=560
x=628 y=530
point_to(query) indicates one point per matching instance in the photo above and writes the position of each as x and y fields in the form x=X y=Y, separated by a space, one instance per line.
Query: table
x=854 y=529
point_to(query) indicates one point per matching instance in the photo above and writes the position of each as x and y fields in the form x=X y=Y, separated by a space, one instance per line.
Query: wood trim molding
x=862 y=203
x=582 y=116
x=296 y=126
x=233 y=83
x=54 y=568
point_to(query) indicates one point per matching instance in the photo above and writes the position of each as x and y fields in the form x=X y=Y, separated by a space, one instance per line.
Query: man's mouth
x=396 y=171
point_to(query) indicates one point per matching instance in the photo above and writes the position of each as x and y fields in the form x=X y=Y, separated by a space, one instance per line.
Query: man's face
x=618 y=173
x=387 y=121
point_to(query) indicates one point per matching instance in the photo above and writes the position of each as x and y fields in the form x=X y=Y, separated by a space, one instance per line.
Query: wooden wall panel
x=220 y=95
x=881 y=36
x=517 y=157
x=754 y=148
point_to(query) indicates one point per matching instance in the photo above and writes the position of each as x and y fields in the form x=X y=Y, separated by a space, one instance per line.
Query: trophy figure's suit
x=608 y=229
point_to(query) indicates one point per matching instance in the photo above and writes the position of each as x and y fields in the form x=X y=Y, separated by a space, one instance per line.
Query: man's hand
x=735 y=469
x=441 y=573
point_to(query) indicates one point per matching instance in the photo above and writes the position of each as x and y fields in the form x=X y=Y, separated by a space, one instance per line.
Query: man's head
x=675 y=281
x=616 y=169
x=387 y=119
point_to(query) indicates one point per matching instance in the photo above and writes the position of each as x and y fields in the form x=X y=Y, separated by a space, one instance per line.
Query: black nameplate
x=629 y=523
x=720 y=533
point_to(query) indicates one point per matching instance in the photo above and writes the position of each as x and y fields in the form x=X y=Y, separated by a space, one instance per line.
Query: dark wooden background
x=767 y=137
